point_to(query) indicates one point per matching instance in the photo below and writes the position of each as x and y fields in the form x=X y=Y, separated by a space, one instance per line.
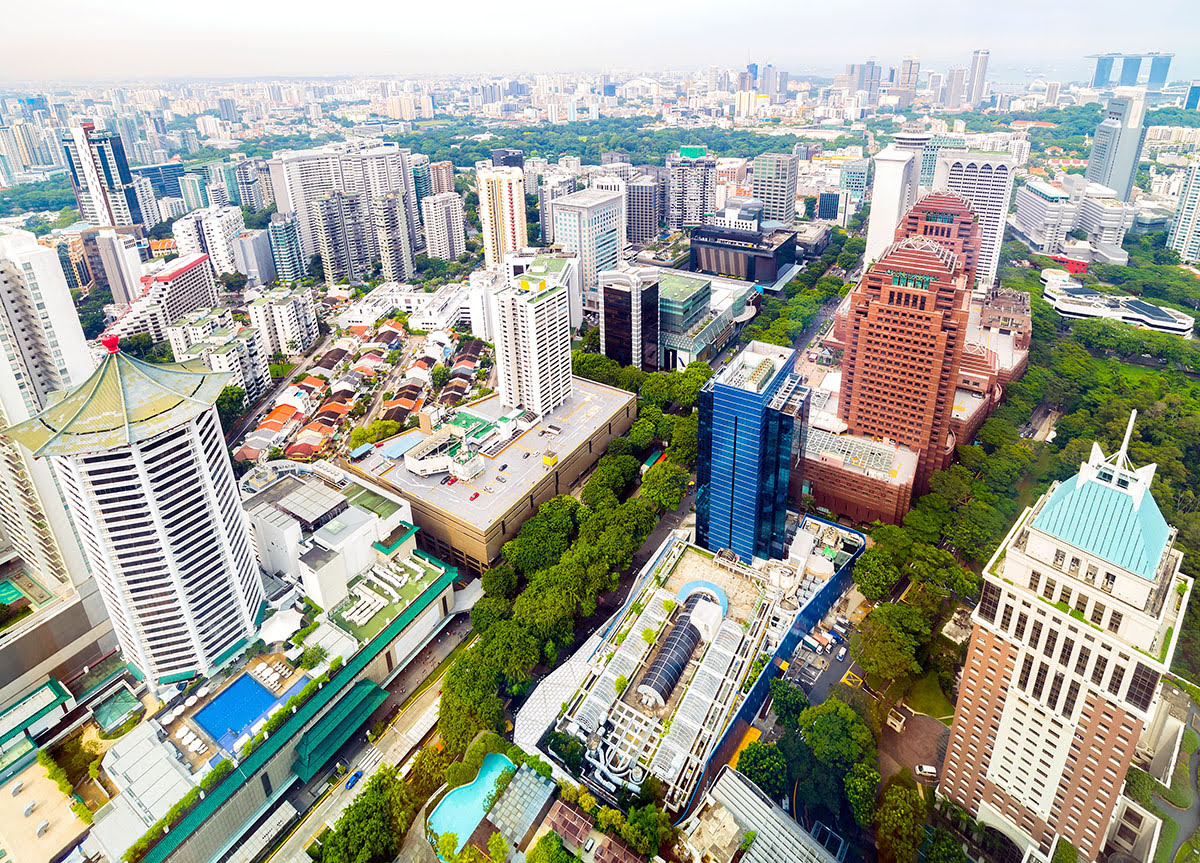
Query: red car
x=474 y=495
x=452 y=480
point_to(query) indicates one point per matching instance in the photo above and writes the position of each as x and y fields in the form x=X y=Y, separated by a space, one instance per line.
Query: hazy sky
x=107 y=39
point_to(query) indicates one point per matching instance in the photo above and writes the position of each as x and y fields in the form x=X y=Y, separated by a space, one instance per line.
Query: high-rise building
x=301 y=179
x=422 y=177
x=122 y=265
x=344 y=234
x=852 y=178
x=284 y=234
x=752 y=418
x=774 y=183
x=614 y=183
x=897 y=173
x=986 y=181
x=507 y=157
x=1053 y=88
x=692 y=191
x=287 y=318
x=176 y=567
x=554 y=186
x=589 y=224
x=501 y=212
x=253 y=258
x=392 y=245
x=213 y=339
x=643 y=206
x=956 y=87
x=211 y=231
x=1063 y=688
x=249 y=185
x=42 y=351
x=445 y=236
x=906 y=332
x=183 y=285
x=979 y=64
x=227 y=110
x=194 y=190
x=629 y=317
x=1185 y=232
x=1191 y=99
x=910 y=74
x=533 y=344
x=1131 y=67
x=100 y=176
x=441 y=177
x=1117 y=144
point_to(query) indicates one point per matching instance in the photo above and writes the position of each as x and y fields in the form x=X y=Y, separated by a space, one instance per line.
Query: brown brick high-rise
x=906 y=330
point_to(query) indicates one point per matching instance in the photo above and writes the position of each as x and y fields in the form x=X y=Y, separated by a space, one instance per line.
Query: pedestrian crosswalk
x=370 y=760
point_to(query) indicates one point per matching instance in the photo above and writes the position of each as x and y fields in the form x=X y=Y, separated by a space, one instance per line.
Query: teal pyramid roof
x=1108 y=522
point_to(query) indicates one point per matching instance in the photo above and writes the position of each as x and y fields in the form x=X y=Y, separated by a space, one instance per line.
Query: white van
x=927 y=771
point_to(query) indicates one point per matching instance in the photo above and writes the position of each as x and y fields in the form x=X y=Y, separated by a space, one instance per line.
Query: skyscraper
x=906 y=332
x=445 y=236
x=589 y=224
x=422 y=177
x=507 y=157
x=1185 y=233
x=42 y=351
x=644 y=205
x=1063 y=691
x=284 y=234
x=979 y=64
x=692 y=191
x=910 y=73
x=533 y=344
x=344 y=233
x=392 y=245
x=629 y=317
x=774 y=183
x=100 y=176
x=501 y=212
x=986 y=181
x=139 y=450
x=897 y=173
x=211 y=231
x=249 y=185
x=956 y=88
x=554 y=186
x=1117 y=144
x=441 y=177
x=301 y=178
x=752 y=418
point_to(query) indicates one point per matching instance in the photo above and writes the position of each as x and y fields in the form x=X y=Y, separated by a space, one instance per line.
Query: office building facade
x=629 y=317
x=501 y=212
x=1063 y=689
x=176 y=569
x=752 y=418
x=774 y=183
x=1117 y=143
x=979 y=64
x=643 y=203
x=252 y=257
x=588 y=224
x=445 y=235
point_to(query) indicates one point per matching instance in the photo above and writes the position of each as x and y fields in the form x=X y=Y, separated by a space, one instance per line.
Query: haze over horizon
x=284 y=40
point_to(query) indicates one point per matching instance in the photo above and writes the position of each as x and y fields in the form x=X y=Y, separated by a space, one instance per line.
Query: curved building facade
x=151 y=491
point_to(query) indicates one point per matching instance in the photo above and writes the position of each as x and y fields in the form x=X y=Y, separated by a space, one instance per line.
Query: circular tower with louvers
x=150 y=488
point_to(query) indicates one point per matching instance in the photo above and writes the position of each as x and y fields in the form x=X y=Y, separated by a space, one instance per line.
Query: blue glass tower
x=752 y=419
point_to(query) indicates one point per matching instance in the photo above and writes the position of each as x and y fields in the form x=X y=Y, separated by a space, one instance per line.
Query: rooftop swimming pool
x=238 y=707
x=461 y=809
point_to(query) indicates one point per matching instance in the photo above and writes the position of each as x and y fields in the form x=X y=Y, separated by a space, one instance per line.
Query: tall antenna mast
x=1122 y=458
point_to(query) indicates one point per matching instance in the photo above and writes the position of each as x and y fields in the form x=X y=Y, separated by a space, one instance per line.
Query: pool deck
x=195 y=760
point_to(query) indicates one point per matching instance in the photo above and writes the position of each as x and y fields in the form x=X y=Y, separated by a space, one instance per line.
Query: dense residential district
x=691 y=466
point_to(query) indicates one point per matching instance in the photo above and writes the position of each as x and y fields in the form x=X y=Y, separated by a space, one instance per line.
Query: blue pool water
x=238 y=706
x=461 y=809
x=9 y=592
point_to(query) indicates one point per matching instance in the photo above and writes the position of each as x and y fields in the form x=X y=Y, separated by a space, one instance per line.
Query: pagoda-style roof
x=124 y=401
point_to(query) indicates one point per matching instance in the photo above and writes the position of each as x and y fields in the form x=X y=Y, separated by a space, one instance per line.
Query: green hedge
x=176 y=813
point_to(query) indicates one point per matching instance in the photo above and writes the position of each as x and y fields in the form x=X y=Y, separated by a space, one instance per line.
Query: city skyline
x=286 y=45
